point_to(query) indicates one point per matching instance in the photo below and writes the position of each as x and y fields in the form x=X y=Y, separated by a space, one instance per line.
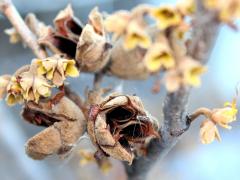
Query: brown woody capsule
x=93 y=49
x=119 y=124
x=128 y=64
x=65 y=124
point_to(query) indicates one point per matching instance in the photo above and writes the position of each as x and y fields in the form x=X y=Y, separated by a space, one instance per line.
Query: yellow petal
x=136 y=36
x=12 y=99
x=158 y=56
x=72 y=71
x=50 y=74
x=86 y=157
x=41 y=70
x=166 y=16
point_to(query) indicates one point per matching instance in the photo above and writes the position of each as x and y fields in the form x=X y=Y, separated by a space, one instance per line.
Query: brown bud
x=65 y=124
x=119 y=124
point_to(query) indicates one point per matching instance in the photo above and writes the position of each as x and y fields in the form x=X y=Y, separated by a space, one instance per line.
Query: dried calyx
x=119 y=126
x=65 y=124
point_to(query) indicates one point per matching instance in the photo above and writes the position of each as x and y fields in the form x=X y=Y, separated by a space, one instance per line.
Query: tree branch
x=9 y=10
x=205 y=30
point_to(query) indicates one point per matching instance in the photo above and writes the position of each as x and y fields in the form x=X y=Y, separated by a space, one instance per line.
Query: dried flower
x=56 y=69
x=136 y=36
x=14 y=92
x=65 y=124
x=166 y=16
x=209 y=132
x=33 y=86
x=159 y=56
x=226 y=115
x=4 y=81
x=118 y=123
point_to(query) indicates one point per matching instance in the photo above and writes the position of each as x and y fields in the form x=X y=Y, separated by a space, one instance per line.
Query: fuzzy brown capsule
x=119 y=125
x=93 y=49
x=65 y=124
x=128 y=64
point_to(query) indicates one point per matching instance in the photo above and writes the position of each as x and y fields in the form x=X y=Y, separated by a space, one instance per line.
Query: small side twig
x=9 y=10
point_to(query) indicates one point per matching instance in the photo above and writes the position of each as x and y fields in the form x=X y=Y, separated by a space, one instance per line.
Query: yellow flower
x=14 y=37
x=187 y=7
x=209 y=132
x=226 y=115
x=192 y=70
x=229 y=10
x=158 y=56
x=14 y=92
x=86 y=157
x=33 y=86
x=117 y=23
x=136 y=36
x=166 y=16
x=56 y=69
x=211 y=4
x=4 y=81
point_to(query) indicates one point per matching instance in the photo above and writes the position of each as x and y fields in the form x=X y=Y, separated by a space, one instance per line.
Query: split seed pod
x=65 y=124
x=64 y=37
x=93 y=49
x=119 y=124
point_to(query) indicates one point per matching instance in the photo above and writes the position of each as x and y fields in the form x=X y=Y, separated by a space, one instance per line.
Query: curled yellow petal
x=192 y=70
x=136 y=36
x=71 y=69
x=166 y=16
x=159 y=56
x=226 y=115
